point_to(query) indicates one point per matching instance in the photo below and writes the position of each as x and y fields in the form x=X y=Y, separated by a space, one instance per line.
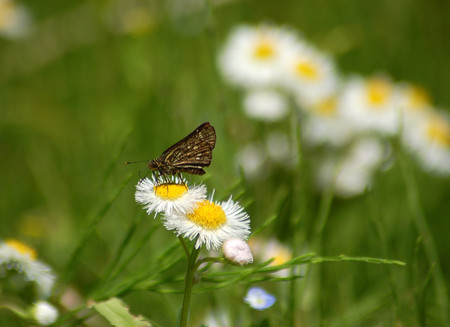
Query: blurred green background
x=97 y=83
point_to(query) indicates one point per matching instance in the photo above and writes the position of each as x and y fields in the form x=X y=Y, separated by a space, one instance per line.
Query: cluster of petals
x=275 y=67
x=15 y=255
x=188 y=212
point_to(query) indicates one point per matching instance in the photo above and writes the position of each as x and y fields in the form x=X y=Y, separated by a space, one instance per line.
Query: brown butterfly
x=188 y=155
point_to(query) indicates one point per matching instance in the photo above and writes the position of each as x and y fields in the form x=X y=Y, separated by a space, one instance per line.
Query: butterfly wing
x=192 y=152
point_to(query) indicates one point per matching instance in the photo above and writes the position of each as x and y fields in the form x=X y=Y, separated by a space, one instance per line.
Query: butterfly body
x=188 y=155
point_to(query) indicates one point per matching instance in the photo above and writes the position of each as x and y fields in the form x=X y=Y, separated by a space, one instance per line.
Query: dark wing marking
x=205 y=133
x=195 y=149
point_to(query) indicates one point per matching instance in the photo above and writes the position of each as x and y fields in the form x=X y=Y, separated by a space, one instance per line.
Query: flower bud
x=237 y=251
x=44 y=313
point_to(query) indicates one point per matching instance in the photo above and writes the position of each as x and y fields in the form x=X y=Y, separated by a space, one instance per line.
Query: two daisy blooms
x=189 y=213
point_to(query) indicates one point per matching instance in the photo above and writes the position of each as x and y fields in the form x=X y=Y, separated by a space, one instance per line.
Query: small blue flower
x=259 y=299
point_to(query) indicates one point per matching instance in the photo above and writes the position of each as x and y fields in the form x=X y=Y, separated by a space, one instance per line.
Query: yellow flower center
x=307 y=70
x=6 y=13
x=208 y=215
x=327 y=107
x=264 y=50
x=170 y=191
x=282 y=256
x=22 y=248
x=418 y=98
x=378 y=91
x=439 y=131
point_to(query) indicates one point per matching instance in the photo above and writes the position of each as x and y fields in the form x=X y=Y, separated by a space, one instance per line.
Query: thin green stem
x=183 y=244
x=209 y=259
x=188 y=284
x=422 y=227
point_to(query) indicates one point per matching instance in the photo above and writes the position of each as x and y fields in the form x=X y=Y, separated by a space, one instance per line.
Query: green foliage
x=82 y=94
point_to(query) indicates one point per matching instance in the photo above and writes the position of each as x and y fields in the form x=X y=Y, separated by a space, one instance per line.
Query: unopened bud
x=237 y=252
x=44 y=313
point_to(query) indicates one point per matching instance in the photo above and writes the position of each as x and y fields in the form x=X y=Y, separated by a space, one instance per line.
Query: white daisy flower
x=352 y=174
x=259 y=299
x=252 y=55
x=212 y=223
x=159 y=195
x=371 y=105
x=15 y=255
x=44 y=313
x=308 y=73
x=429 y=138
x=266 y=105
x=325 y=123
x=15 y=19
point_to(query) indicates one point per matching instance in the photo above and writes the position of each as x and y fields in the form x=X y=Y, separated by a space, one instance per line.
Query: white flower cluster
x=274 y=65
x=187 y=211
x=19 y=257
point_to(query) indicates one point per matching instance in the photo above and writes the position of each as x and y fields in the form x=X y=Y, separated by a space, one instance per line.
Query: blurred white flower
x=413 y=98
x=252 y=56
x=252 y=158
x=353 y=173
x=271 y=249
x=212 y=223
x=371 y=104
x=130 y=17
x=259 y=299
x=237 y=251
x=15 y=255
x=309 y=73
x=162 y=195
x=217 y=318
x=428 y=137
x=15 y=20
x=414 y=101
x=281 y=150
x=325 y=123
x=266 y=105
x=44 y=313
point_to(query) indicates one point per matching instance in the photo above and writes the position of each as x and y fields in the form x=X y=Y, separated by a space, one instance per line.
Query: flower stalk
x=188 y=284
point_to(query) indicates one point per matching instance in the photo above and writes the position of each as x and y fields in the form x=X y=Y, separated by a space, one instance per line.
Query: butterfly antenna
x=133 y=162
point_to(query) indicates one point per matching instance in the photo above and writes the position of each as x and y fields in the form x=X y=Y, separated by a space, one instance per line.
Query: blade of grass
x=420 y=221
x=88 y=230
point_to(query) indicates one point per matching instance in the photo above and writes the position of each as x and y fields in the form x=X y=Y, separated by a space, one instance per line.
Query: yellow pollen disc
x=281 y=257
x=307 y=70
x=327 y=107
x=264 y=50
x=22 y=248
x=439 y=131
x=170 y=191
x=6 y=13
x=208 y=215
x=378 y=91
x=418 y=98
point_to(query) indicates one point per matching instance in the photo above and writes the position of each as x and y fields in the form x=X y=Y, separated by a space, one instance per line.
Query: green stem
x=419 y=219
x=188 y=284
x=183 y=244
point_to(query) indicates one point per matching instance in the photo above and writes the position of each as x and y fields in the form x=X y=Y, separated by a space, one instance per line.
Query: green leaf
x=116 y=312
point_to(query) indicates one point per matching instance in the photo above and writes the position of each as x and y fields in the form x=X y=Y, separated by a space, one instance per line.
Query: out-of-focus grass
x=77 y=97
